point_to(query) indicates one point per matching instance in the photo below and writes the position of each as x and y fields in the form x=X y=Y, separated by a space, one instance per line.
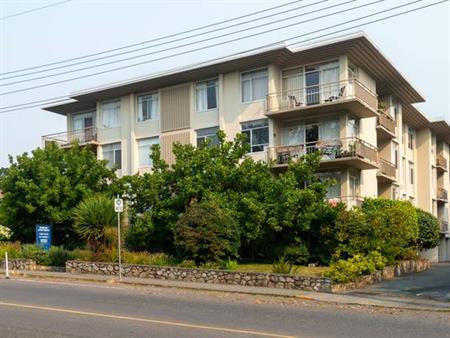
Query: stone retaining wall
x=261 y=279
x=19 y=264
x=389 y=272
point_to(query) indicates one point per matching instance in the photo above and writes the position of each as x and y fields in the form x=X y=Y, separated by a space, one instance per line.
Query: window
x=334 y=189
x=410 y=138
x=254 y=85
x=207 y=134
x=257 y=134
x=111 y=114
x=148 y=107
x=145 y=150
x=353 y=127
x=206 y=95
x=113 y=154
x=411 y=173
x=394 y=154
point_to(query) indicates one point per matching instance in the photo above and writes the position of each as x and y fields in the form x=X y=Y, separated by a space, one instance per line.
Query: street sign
x=44 y=236
x=118 y=205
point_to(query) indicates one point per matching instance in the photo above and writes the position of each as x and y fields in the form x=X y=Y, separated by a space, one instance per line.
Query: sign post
x=44 y=236
x=6 y=265
x=118 y=207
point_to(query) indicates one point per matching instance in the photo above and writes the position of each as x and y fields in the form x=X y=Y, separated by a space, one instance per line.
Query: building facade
x=342 y=97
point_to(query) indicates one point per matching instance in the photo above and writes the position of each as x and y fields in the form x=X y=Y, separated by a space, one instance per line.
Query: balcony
x=86 y=136
x=385 y=126
x=350 y=151
x=350 y=201
x=387 y=171
x=442 y=195
x=444 y=226
x=350 y=95
x=441 y=164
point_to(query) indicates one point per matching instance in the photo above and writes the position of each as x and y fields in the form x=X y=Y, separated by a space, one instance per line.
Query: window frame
x=114 y=154
x=118 y=101
x=250 y=141
x=251 y=87
x=410 y=135
x=217 y=94
x=151 y=138
x=158 y=106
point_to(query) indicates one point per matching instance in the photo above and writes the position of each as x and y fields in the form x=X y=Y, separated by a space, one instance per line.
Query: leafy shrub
x=297 y=254
x=36 y=253
x=82 y=255
x=5 y=233
x=92 y=216
x=344 y=271
x=207 y=233
x=210 y=265
x=284 y=267
x=14 y=250
x=187 y=263
x=160 y=259
x=138 y=236
x=57 y=256
x=107 y=255
x=387 y=226
x=428 y=230
x=229 y=265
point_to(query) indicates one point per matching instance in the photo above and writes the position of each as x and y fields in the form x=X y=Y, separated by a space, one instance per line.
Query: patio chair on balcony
x=336 y=97
x=293 y=101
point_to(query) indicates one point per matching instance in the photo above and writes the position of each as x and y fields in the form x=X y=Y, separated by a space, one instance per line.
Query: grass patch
x=300 y=270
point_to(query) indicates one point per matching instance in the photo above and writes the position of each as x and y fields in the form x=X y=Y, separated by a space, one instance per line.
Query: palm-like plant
x=92 y=219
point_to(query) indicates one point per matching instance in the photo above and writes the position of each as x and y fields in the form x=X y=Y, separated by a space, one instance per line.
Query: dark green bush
x=139 y=235
x=428 y=230
x=296 y=254
x=57 y=256
x=207 y=233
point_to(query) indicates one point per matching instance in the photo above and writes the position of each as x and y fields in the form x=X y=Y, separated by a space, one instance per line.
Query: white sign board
x=118 y=205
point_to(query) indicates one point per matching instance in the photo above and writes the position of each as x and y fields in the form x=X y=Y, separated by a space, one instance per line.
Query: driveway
x=433 y=284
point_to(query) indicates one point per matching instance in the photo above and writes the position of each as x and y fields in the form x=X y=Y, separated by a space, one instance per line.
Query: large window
x=111 y=114
x=257 y=134
x=207 y=134
x=206 y=95
x=145 y=151
x=254 y=85
x=112 y=153
x=148 y=107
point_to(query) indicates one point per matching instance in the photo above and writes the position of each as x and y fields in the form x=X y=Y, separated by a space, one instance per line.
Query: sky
x=418 y=44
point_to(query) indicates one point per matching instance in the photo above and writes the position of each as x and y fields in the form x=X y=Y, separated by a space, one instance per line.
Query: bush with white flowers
x=5 y=233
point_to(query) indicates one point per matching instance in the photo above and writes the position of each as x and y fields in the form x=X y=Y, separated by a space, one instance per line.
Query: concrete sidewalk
x=351 y=299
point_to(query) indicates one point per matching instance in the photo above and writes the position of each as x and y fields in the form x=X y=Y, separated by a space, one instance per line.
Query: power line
x=33 y=10
x=269 y=45
x=170 y=41
x=202 y=48
x=199 y=41
x=155 y=39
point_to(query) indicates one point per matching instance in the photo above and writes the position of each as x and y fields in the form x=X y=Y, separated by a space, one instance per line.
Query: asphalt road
x=431 y=284
x=54 y=309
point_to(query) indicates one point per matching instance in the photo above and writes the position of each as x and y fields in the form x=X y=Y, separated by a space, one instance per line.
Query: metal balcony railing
x=320 y=94
x=387 y=168
x=83 y=136
x=441 y=162
x=442 y=194
x=386 y=121
x=351 y=147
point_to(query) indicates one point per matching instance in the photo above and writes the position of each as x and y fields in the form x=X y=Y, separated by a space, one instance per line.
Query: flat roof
x=360 y=50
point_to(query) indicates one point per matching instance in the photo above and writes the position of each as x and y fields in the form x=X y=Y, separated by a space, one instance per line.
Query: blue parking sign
x=44 y=236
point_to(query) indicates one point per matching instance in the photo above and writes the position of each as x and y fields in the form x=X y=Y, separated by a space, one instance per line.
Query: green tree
x=273 y=211
x=207 y=233
x=428 y=230
x=45 y=186
x=94 y=219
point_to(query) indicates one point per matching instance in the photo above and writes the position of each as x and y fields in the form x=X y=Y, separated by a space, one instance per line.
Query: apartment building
x=342 y=97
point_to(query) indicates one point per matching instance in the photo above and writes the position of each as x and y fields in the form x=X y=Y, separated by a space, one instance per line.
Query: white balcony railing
x=82 y=136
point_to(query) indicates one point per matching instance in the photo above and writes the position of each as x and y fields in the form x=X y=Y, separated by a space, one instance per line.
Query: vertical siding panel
x=175 y=108
x=168 y=139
